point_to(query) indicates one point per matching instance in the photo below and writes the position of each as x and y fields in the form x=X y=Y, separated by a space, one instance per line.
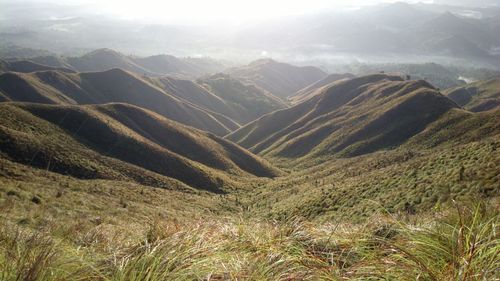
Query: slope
x=27 y=66
x=477 y=96
x=349 y=118
x=114 y=85
x=246 y=102
x=280 y=79
x=105 y=59
x=122 y=142
x=315 y=88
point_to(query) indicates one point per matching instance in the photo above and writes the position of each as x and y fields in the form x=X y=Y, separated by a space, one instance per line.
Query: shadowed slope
x=280 y=79
x=349 y=118
x=28 y=66
x=119 y=141
x=106 y=59
x=478 y=96
x=109 y=86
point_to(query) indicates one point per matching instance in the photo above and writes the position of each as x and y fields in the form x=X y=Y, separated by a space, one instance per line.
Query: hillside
x=246 y=102
x=27 y=66
x=122 y=142
x=349 y=118
x=315 y=88
x=478 y=96
x=280 y=79
x=106 y=59
x=115 y=85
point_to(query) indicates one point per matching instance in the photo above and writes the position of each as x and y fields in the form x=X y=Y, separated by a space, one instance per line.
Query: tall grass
x=461 y=244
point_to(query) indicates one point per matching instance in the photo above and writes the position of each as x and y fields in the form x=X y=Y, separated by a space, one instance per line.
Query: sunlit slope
x=114 y=85
x=477 y=96
x=119 y=141
x=350 y=118
x=316 y=88
x=245 y=102
x=280 y=79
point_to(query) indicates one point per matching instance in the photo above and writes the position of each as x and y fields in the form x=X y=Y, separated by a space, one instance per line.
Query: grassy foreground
x=461 y=243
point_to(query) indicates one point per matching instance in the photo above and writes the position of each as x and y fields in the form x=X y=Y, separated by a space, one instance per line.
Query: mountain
x=349 y=118
x=27 y=66
x=477 y=96
x=104 y=59
x=189 y=67
x=158 y=65
x=448 y=25
x=122 y=142
x=280 y=79
x=115 y=85
x=315 y=88
x=246 y=102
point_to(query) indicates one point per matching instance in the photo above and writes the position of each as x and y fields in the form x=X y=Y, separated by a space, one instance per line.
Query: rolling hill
x=158 y=65
x=349 y=118
x=246 y=102
x=477 y=96
x=116 y=85
x=27 y=66
x=280 y=79
x=315 y=88
x=123 y=142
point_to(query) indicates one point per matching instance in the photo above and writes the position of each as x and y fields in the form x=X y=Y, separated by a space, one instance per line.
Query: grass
x=458 y=244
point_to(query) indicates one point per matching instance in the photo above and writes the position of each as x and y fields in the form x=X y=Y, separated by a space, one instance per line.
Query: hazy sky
x=203 y=11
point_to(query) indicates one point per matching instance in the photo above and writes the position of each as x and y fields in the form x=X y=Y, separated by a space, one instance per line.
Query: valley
x=249 y=140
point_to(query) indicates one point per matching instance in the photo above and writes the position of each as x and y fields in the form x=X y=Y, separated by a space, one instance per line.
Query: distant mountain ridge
x=106 y=59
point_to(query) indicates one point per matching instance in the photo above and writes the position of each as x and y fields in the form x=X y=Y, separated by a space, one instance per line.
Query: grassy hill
x=280 y=79
x=246 y=102
x=114 y=85
x=119 y=141
x=375 y=182
x=315 y=88
x=478 y=96
x=349 y=118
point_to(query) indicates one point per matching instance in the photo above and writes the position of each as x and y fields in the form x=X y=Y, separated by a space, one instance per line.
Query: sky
x=206 y=11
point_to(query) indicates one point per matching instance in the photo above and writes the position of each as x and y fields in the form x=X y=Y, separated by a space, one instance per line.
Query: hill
x=122 y=142
x=116 y=85
x=349 y=118
x=27 y=66
x=280 y=79
x=246 y=102
x=315 y=88
x=477 y=96
x=158 y=65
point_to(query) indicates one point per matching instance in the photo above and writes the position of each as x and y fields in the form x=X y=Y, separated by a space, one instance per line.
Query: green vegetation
x=105 y=239
x=123 y=142
x=115 y=85
x=247 y=102
x=478 y=96
x=375 y=181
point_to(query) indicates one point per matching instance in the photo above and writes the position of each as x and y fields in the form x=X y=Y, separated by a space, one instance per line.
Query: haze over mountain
x=249 y=140
x=338 y=32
